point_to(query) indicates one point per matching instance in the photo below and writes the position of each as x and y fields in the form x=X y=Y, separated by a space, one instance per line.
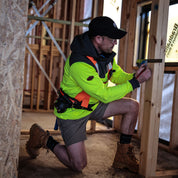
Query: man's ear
x=98 y=39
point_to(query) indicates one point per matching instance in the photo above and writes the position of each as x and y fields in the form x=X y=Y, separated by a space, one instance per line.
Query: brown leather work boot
x=38 y=139
x=125 y=158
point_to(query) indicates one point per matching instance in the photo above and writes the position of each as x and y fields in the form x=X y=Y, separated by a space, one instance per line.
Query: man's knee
x=79 y=165
x=134 y=106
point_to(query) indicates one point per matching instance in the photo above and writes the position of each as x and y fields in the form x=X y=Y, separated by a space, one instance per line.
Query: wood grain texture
x=13 y=15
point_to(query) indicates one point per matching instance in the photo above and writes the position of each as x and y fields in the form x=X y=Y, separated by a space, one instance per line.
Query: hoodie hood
x=82 y=47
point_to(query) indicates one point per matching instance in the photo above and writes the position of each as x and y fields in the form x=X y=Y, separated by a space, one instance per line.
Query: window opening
x=172 y=33
x=143 y=29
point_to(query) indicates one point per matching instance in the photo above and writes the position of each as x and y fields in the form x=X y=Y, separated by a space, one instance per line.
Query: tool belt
x=64 y=101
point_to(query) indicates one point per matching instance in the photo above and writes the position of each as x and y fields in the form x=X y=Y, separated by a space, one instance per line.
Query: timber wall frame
x=64 y=22
x=148 y=128
x=71 y=27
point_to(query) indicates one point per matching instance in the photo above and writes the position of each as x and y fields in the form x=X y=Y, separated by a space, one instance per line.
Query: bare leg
x=129 y=109
x=73 y=156
x=124 y=157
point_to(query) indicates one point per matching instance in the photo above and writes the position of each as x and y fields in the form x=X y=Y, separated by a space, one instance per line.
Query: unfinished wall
x=13 y=15
x=65 y=20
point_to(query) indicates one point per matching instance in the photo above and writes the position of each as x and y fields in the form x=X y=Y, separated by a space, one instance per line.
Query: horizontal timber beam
x=30 y=17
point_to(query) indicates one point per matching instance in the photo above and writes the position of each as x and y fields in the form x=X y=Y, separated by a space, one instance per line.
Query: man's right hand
x=143 y=74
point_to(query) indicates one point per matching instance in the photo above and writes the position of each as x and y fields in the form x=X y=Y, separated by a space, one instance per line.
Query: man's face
x=107 y=44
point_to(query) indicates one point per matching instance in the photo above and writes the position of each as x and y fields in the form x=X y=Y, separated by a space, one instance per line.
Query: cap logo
x=114 y=25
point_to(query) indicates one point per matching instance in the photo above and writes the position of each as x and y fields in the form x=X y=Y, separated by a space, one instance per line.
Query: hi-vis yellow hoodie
x=80 y=74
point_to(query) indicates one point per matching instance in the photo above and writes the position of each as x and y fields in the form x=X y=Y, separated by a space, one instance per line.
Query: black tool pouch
x=62 y=103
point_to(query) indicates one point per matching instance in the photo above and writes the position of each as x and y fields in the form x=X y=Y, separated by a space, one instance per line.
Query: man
x=85 y=95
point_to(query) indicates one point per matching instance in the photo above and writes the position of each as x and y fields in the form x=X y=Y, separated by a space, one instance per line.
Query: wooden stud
x=93 y=126
x=126 y=44
x=79 y=16
x=150 y=130
x=117 y=122
x=124 y=41
x=94 y=14
x=131 y=15
x=25 y=76
x=95 y=8
x=63 y=42
x=51 y=62
x=32 y=84
x=100 y=7
x=39 y=71
x=72 y=27
x=25 y=68
x=153 y=88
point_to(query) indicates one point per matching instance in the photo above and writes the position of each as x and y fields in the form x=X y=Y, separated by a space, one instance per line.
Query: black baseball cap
x=105 y=26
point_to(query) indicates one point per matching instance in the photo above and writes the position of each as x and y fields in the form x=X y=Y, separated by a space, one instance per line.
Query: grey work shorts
x=74 y=131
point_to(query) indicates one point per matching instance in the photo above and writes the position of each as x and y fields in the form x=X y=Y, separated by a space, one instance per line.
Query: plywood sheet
x=13 y=15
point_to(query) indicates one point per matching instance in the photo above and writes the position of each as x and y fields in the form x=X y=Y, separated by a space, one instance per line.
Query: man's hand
x=143 y=73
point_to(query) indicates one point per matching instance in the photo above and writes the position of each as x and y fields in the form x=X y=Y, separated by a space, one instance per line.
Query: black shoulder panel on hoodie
x=82 y=47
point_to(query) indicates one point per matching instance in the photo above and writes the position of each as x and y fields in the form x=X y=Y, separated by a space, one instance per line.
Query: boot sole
x=31 y=151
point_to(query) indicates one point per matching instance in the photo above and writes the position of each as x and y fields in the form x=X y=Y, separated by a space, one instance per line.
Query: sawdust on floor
x=100 y=148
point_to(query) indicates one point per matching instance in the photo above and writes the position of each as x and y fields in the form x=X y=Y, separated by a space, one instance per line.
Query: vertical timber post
x=153 y=89
x=97 y=10
x=13 y=15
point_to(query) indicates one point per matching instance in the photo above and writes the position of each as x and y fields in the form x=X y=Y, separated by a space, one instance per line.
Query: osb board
x=13 y=15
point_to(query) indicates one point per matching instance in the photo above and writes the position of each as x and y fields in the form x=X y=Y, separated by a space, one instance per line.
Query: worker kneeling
x=85 y=95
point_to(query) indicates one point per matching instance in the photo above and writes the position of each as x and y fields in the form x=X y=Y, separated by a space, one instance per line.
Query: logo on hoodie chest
x=90 y=78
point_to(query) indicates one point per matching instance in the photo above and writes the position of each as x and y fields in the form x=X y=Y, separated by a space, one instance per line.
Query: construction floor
x=100 y=148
